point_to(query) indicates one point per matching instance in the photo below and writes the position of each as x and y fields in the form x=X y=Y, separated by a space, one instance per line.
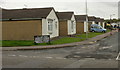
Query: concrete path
x=89 y=41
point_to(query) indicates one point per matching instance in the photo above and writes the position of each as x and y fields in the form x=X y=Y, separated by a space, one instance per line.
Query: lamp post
x=111 y=17
x=86 y=20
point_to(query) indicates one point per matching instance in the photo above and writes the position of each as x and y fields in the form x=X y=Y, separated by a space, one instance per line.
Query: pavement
x=88 y=41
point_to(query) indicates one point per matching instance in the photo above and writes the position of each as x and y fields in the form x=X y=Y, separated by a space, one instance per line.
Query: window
x=50 y=25
x=56 y=24
x=72 y=26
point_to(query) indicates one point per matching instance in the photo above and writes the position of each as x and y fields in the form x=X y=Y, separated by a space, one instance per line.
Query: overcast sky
x=98 y=8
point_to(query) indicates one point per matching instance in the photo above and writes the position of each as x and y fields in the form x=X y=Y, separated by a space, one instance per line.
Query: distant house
x=24 y=24
x=67 y=23
x=102 y=22
x=98 y=21
x=92 y=19
x=80 y=24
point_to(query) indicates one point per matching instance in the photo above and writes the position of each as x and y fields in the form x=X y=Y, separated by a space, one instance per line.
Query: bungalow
x=80 y=24
x=24 y=24
x=67 y=23
x=95 y=20
x=98 y=21
x=91 y=19
x=102 y=23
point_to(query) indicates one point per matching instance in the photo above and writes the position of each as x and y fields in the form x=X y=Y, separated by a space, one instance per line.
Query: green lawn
x=31 y=43
x=90 y=35
x=108 y=30
x=66 y=40
x=0 y=43
x=62 y=40
x=19 y=43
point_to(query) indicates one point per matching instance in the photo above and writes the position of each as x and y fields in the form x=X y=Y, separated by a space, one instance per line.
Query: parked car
x=97 y=28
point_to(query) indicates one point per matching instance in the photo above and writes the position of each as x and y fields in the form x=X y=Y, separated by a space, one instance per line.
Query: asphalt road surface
x=100 y=54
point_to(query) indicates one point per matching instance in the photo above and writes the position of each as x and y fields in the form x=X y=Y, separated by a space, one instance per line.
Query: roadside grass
x=90 y=35
x=108 y=30
x=31 y=43
x=0 y=43
x=63 y=40
x=66 y=40
x=7 y=43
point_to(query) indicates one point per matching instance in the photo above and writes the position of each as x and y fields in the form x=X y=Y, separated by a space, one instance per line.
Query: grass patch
x=66 y=40
x=62 y=40
x=31 y=43
x=108 y=30
x=0 y=43
x=19 y=43
x=90 y=35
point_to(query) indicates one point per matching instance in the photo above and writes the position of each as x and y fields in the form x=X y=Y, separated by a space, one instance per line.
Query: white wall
x=103 y=23
x=99 y=23
x=44 y=27
x=55 y=31
x=85 y=26
x=93 y=22
x=70 y=31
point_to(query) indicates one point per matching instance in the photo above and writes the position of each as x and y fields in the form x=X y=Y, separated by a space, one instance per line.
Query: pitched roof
x=80 y=18
x=26 y=13
x=91 y=18
x=97 y=19
x=102 y=19
x=64 y=15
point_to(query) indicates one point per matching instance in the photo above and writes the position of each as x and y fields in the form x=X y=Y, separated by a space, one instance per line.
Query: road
x=100 y=54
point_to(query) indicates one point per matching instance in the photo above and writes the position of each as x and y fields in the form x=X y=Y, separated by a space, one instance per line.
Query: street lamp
x=111 y=17
x=86 y=20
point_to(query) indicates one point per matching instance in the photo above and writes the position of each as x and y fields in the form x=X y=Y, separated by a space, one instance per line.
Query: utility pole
x=86 y=20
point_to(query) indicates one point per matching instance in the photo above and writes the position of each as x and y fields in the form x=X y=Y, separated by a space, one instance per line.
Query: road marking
x=23 y=56
x=12 y=55
x=118 y=56
x=60 y=58
x=49 y=57
x=77 y=52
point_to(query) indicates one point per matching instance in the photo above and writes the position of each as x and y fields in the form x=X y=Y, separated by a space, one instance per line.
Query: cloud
x=2 y=2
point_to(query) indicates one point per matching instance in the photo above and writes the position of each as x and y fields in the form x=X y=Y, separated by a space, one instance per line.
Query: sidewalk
x=89 y=41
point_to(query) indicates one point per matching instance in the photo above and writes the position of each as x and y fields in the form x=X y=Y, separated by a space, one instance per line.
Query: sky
x=98 y=8
x=119 y=10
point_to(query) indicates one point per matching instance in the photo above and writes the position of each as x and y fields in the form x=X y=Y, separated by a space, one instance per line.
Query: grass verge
x=62 y=40
x=90 y=35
